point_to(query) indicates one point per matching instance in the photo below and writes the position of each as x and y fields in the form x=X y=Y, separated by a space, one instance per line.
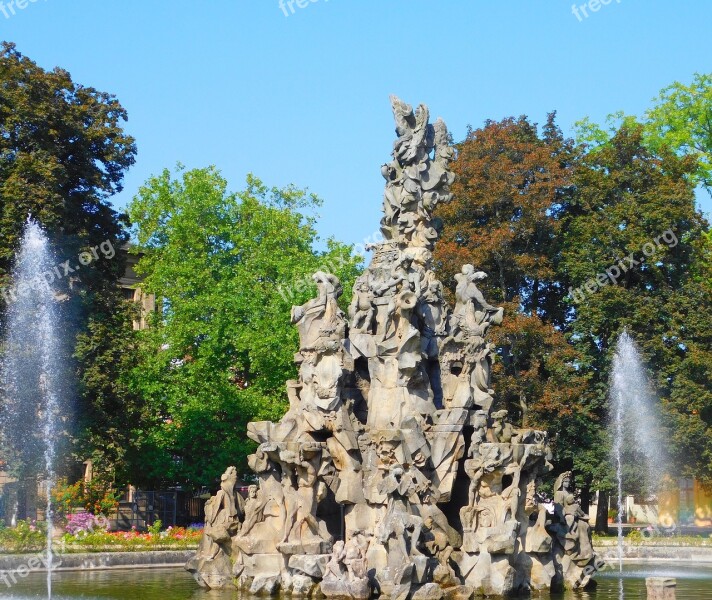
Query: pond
x=694 y=583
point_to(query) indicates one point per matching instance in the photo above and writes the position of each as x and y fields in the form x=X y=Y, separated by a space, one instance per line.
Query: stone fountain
x=391 y=473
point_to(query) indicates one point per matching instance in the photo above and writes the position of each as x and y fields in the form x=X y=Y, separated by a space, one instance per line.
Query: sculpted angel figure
x=412 y=130
x=254 y=509
x=223 y=511
x=321 y=319
x=362 y=310
x=472 y=312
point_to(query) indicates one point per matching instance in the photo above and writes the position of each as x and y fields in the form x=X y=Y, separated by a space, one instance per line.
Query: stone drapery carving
x=391 y=473
x=212 y=564
x=572 y=533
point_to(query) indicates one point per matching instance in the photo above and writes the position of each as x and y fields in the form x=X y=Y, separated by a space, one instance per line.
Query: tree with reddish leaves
x=514 y=185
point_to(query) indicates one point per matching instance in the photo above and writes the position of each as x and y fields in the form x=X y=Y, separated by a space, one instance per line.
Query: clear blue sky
x=304 y=98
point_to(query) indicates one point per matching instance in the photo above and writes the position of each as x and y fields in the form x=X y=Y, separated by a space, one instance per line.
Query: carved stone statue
x=391 y=474
x=572 y=531
x=211 y=566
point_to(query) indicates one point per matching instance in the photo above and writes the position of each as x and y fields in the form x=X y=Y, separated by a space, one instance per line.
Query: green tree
x=227 y=268
x=679 y=119
x=635 y=218
x=63 y=153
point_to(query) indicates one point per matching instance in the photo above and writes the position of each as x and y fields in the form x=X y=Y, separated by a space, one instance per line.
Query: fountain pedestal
x=661 y=588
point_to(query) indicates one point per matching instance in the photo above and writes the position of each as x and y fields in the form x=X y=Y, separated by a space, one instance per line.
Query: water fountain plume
x=32 y=370
x=634 y=423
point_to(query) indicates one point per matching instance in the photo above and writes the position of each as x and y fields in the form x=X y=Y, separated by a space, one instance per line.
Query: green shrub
x=27 y=536
x=96 y=496
x=635 y=536
x=155 y=529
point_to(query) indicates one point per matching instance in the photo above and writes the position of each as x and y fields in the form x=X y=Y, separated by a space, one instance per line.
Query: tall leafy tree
x=63 y=153
x=680 y=119
x=514 y=185
x=227 y=268
x=636 y=220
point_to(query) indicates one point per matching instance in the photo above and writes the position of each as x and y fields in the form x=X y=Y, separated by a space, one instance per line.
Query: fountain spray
x=32 y=373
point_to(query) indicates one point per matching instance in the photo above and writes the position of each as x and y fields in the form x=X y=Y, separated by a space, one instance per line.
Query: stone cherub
x=502 y=432
x=479 y=433
x=348 y=559
x=362 y=310
x=473 y=313
x=335 y=568
x=355 y=556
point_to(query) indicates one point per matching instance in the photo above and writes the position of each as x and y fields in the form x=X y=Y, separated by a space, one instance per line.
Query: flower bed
x=173 y=538
x=29 y=536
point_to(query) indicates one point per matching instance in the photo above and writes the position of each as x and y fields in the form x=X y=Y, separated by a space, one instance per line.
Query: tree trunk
x=586 y=497
x=602 y=513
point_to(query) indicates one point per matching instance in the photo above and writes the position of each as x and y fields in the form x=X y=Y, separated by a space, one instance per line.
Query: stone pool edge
x=156 y=559
x=95 y=561
x=643 y=553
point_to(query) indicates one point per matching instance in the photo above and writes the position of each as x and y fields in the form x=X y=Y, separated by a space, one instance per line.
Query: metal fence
x=171 y=507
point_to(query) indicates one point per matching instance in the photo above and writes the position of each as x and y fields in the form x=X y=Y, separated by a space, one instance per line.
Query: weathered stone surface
x=265 y=585
x=303 y=586
x=492 y=576
x=429 y=591
x=459 y=592
x=211 y=573
x=260 y=564
x=391 y=431
x=661 y=588
x=312 y=565
x=338 y=589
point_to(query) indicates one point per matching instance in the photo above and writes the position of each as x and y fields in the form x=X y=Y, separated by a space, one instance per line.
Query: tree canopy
x=680 y=120
x=227 y=268
x=63 y=153
x=514 y=186
x=580 y=242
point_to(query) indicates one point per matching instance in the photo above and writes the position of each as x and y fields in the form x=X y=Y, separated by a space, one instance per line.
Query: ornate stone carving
x=572 y=534
x=212 y=565
x=390 y=473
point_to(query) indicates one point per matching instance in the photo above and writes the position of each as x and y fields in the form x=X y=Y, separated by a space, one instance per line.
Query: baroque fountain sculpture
x=391 y=474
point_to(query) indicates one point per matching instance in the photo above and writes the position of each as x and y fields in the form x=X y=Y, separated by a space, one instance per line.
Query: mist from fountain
x=634 y=423
x=32 y=370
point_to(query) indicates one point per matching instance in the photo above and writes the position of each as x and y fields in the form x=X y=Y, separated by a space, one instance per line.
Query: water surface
x=694 y=583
